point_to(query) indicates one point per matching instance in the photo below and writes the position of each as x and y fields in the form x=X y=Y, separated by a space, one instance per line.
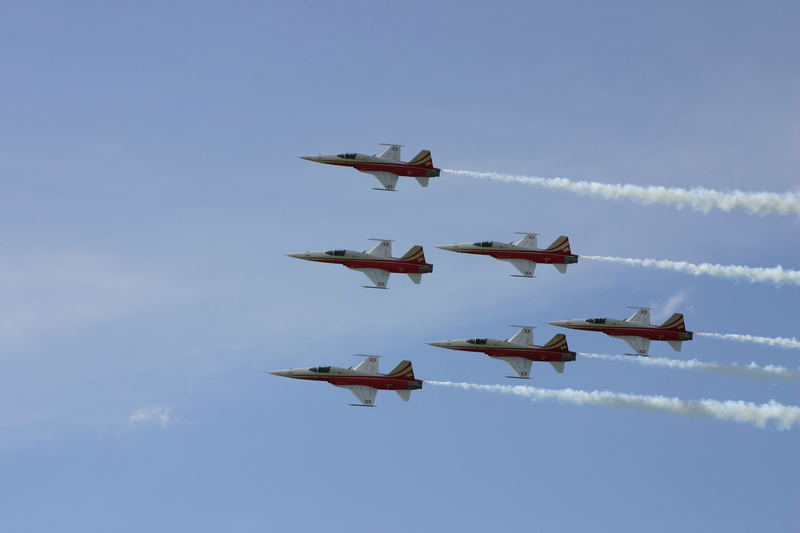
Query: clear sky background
x=150 y=189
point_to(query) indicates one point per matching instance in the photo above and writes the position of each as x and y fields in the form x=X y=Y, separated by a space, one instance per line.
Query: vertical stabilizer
x=558 y=342
x=675 y=322
x=422 y=159
x=560 y=245
x=415 y=254
x=403 y=370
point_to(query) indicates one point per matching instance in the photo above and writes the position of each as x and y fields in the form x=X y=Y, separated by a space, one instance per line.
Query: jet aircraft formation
x=519 y=352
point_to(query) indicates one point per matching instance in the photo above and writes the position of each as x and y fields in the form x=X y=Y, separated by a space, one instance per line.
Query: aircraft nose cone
x=298 y=256
x=281 y=373
x=439 y=344
x=448 y=247
x=314 y=158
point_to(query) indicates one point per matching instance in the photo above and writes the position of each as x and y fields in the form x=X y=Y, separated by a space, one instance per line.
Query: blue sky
x=150 y=189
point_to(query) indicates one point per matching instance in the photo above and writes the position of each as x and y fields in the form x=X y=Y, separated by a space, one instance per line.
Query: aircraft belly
x=396 y=267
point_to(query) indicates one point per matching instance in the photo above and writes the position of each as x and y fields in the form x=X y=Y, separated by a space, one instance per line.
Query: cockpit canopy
x=336 y=252
x=477 y=341
x=484 y=244
x=320 y=369
x=346 y=156
x=596 y=320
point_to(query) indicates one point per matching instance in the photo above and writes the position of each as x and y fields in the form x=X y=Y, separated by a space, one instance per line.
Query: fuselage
x=348 y=377
x=369 y=163
x=353 y=259
x=623 y=328
x=501 y=250
x=502 y=348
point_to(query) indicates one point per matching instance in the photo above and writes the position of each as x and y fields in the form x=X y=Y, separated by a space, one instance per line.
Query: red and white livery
x=364 y=380
x=386 y=167
x=518 y=351
x=377 y=263
x=523 y=254
x=636 y=330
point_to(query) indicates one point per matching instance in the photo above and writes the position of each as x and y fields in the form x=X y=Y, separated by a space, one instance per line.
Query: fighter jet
x=523 y=254
x=636 y=330
x=386 y=167
x=377 y=263
x=364 y=380
x=518 y=351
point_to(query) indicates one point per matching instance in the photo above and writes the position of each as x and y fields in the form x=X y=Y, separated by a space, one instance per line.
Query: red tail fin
x=558 y=342
x=403 y=370
x=415 y=254
x=674 y=322
x=422 y=159
x=560 y=245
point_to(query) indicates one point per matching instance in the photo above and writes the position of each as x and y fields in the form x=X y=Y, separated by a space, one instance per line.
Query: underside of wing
x=378 y=277
x=387 y=179
x=365 y=395
x=525 y=267
x=639 y=344
x=520 y=365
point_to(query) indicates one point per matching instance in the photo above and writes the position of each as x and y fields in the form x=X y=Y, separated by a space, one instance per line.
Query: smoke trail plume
x=749 y=371
x=697 y=198
x=780 y=342
x=776 y=275
x=784 y=416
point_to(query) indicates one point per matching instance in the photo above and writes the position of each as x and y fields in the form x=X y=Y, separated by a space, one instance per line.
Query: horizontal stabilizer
x=423 y=181
x=561 y=267
x=676 y=345
x=405 y=394
x=559 y=366
x=416 y=278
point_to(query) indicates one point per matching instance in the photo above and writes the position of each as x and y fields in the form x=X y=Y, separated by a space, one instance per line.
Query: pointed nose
x=314 y=158
x=298 y=256
x=439 y=344
x=560 y=323
x=281 y=373
x=448 y=247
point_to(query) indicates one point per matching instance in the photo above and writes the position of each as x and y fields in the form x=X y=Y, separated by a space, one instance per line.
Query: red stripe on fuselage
x=376 y=382
x=531 y=255
x=654 y=334
x=395 y=266
x=401 y=169
x=533 y=354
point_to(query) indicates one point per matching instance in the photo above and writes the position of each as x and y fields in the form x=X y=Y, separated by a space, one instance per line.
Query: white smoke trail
x=750 y=371
x=784 y=416
x=697 y=198
x=776 y=275
x=780 y=342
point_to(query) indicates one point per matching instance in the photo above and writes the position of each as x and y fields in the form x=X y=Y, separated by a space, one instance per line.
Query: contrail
x=781 y=342
x=777 y=275
x=749 y=371
x=784 y=416
x=697 y=198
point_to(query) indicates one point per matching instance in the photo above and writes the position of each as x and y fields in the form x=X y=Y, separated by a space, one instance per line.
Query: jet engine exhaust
x=752 y=370
x=696 y=198
x=777 y=275
x=759 y=415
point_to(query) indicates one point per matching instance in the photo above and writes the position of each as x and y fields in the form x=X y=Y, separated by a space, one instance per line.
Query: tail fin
x=403 y=370
x=674 y=322
x=415 y=254
x=558 y=342
x=422 y=159
x=560 y=245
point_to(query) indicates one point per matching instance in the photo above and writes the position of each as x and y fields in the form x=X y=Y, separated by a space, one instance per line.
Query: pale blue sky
x=150 y=189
